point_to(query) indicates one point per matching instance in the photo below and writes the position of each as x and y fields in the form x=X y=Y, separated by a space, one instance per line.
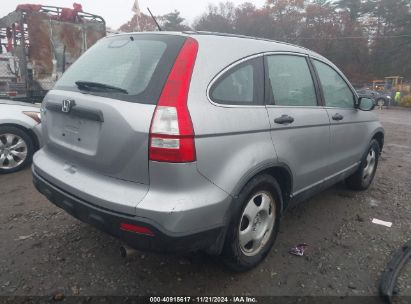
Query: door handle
x=337 y=116
x=284 y=119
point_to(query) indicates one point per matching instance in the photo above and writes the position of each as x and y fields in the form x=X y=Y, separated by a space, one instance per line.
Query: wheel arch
x=379 y=137
x=282 y=174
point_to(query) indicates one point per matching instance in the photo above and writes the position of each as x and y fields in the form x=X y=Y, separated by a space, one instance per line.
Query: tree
x=366 y=39
x=354 y=7
x=391 y=42
x=139 y=24
x=287 y=18
x=173 y=22
x=217 y=19
x=249 y=20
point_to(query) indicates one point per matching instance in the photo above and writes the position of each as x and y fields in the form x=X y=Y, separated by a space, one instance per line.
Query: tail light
x=171 y=132
x=34 y=115
x=12 y=93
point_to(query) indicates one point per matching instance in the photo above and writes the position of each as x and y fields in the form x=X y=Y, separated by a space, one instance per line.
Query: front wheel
x=254 y=227
x=364 y=176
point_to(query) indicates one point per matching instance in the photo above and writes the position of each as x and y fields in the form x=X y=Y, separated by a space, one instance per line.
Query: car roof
x=266 y=44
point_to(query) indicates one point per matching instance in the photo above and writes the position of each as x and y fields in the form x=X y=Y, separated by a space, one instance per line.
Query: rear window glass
x=237 y=87
x=136 y=64
x=240 y=85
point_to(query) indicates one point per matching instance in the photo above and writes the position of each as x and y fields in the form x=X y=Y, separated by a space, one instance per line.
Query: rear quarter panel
x=13 y=114
x=232 y=142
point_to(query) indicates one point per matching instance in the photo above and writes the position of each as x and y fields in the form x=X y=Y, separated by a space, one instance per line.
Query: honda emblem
x=67 y=105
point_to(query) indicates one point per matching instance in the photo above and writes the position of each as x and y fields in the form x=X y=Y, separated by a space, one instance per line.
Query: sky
x=117 y=12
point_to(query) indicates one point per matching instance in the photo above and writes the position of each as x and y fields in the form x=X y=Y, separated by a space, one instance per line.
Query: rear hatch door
x=98 y=116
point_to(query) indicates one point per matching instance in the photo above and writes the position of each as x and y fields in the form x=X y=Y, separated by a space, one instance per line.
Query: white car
x=20 y=134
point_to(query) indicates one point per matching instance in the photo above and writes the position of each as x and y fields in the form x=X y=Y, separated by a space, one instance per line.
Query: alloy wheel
x=13 y=151
x=369 y=166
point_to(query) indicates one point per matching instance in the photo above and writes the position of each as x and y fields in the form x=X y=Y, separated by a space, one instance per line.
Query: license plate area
x=75 y=133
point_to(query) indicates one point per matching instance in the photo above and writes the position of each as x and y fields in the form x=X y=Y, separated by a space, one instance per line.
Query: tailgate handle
x=78 y=111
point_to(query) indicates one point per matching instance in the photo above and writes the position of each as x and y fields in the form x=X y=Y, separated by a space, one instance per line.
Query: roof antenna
x=154 y=18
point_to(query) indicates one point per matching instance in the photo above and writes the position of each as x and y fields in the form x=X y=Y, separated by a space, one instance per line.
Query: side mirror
x=365 y=104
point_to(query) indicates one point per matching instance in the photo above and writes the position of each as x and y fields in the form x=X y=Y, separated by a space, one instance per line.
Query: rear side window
x=137 y=64
x=241 y=85
x=290 y=82
x=335 y=89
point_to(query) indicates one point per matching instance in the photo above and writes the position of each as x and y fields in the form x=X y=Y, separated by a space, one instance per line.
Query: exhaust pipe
x=127 y=252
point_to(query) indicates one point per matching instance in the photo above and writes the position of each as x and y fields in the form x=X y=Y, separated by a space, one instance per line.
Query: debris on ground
x=380 y=222
x=299 y=249
x=58 y=297
x=24 y=237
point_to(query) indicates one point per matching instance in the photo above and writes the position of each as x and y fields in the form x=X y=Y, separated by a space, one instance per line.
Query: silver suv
x=199 y=141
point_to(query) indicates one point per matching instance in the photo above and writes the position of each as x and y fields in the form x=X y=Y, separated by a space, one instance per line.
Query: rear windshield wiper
x=96 y=86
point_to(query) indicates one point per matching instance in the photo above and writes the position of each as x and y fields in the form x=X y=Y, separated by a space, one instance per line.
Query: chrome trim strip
x=232 y=65
x=293 y=107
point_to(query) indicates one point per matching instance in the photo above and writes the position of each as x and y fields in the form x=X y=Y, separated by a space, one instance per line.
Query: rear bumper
x=109 y=222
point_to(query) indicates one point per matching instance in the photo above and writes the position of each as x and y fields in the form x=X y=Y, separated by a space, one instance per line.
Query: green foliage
x=406 y=101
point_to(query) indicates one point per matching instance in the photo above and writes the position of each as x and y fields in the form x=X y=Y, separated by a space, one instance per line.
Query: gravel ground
x=43 y=250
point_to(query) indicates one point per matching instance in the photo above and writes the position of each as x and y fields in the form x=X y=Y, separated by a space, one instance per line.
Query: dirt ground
x=44 y=250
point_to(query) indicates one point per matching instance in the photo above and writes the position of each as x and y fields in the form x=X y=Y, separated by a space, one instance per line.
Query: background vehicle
x=154 y=139
x=40 y=43
x=20 y=134
x=381 y=98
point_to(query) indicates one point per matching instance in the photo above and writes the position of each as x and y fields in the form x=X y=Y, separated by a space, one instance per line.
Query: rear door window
x=289 y=81
x=241 y=85
x=136 y=64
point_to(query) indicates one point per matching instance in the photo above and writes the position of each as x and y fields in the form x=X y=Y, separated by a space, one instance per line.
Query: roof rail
x=239 y=36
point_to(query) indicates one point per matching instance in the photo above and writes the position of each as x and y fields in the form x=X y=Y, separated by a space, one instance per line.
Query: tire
x=364 y=176
x=16 y=149
x=260 y=192
x=381 y=102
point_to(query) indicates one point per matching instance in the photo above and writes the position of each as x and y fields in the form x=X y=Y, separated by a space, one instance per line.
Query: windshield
x=127 y=67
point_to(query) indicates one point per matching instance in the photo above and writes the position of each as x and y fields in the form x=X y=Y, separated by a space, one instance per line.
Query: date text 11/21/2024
x=204 y=299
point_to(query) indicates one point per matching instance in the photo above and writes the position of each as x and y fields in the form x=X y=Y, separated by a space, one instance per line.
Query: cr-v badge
x=67 y=105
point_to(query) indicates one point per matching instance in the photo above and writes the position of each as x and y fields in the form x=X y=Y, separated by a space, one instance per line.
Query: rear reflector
x=171 y=132
x=136 y=229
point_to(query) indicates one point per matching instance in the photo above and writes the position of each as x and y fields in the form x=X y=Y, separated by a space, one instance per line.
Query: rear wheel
x=254 y=227
x=363 y=177
x=16 y=149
